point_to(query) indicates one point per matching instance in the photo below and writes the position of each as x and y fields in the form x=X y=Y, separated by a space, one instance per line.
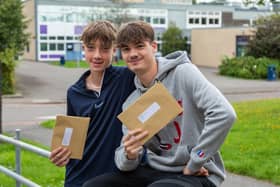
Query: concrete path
x=42 y=90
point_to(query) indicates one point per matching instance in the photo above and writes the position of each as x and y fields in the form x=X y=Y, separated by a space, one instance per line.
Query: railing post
x=18 y=157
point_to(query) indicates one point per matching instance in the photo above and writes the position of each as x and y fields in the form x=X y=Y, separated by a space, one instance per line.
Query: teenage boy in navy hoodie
x=98 y=94
x=185 y=153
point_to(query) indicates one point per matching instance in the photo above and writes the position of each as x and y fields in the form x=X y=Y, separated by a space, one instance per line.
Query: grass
x=34 y=167
x=82 y=64
x=49 y=124
x=253 y=145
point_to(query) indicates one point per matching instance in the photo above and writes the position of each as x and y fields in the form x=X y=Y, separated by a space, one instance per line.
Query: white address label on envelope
x=67 y=136
x=149 y=112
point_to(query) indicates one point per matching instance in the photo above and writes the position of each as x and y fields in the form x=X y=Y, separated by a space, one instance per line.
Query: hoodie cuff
x=193 y=166
x=127 y=165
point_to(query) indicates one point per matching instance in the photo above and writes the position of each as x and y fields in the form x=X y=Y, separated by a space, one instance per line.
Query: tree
x=266 y=40
x=12 y=25
x=173 y=40
x=13 y=40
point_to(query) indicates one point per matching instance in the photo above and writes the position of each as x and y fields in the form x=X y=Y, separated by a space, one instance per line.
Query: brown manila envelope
x=71 y=132
x=152 y=111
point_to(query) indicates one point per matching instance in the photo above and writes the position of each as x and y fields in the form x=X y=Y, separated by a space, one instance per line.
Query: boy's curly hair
x=103 y=30
x=134 y=32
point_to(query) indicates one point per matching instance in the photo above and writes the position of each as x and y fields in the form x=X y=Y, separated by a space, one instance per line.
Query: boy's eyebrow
x=90 y=45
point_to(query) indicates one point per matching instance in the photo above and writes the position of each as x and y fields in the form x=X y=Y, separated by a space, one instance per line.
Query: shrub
x=247 y=67
x=8 y=66
x=266 y=40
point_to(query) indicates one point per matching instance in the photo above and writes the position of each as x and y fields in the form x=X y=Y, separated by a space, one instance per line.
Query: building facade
x=56 y=26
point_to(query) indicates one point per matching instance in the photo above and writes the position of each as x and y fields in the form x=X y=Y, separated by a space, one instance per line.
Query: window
x=52 y=37
x=52 y=46
x=60 y=37
x=191 y=21
x=211 y=21
x=43 y=18
x=43 y=46
x=203 y=21
x=196 y=20
x=155 y=21
x=162 y=21
x=217 y=21
x=43 y=38
x=60 y=47
x=69 y=18
x=69 y=38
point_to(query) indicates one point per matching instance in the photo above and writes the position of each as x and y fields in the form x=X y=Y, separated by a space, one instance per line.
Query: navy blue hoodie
x=104 y=133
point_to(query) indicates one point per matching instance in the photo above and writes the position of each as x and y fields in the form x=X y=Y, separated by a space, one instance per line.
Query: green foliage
x=266 y=41
x=13 y=39
x=173 y=40
x=252 y=146
x=8 y=66
x=247 y=67
x=12 y=25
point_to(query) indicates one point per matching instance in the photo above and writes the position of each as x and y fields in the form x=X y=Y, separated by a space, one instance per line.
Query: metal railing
x=18 y=145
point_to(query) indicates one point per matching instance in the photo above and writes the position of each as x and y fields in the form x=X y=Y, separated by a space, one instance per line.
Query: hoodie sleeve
x=218 y=116
x=121 y=160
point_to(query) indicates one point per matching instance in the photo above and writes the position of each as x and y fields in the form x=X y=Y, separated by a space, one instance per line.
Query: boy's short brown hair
x=103 y=30
x=134 y=32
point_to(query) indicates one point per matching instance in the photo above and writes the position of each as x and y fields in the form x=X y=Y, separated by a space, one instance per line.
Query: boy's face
x=140 y=56
x=98 y=56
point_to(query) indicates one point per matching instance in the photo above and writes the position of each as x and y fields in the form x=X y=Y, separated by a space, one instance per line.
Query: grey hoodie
x=194 y=137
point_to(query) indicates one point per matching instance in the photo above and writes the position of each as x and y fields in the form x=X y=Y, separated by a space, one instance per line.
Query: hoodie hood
x=165 y=64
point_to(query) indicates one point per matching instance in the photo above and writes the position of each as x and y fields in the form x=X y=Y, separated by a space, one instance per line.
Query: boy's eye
x=90 y=47
x=125 y=49
x=140 y=45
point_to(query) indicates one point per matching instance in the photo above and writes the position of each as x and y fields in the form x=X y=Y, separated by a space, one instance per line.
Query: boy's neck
x=94 y=80
x=147 y=78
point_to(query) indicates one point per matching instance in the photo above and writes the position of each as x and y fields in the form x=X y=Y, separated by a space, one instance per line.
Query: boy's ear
x=154 y=46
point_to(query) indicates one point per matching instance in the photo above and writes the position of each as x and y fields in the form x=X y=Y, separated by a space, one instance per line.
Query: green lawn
x=82 y=64
x=252 y=147
x=34 y=167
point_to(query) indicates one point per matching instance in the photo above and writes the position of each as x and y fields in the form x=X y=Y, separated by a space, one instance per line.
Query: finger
x=62 y=163
x=55 y=151
x=136 y=150
x=62 y=155
x=135 y=132
x=202 y=172
x=64 y=151
x=135 y=139
x=61 y=160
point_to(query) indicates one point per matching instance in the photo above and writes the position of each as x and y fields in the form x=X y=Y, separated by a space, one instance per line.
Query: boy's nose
x=96 y=54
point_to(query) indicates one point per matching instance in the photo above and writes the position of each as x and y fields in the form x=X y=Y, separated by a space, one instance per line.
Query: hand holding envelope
x=152 y=111
x=70 y=132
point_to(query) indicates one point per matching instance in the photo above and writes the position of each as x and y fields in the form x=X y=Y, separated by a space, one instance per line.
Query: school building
x=56 y=26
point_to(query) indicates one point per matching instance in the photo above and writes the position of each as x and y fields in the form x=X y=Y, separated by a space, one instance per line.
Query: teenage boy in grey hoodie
x=185 y=153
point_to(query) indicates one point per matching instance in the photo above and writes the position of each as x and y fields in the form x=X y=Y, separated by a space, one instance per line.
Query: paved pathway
x=42 y=95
